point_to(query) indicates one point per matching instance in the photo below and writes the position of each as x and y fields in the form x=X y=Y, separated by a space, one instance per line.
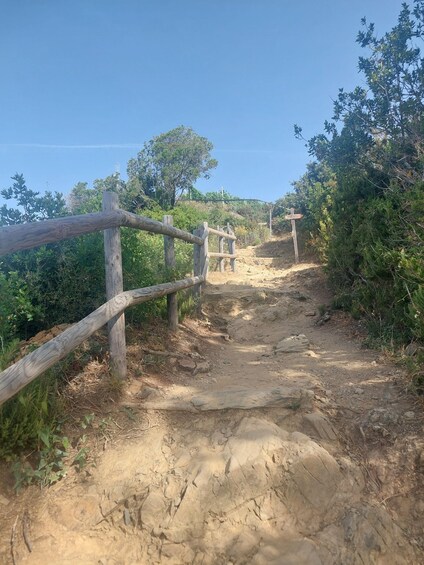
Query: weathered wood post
x=170 y=264
x=293 y=217
x=231 y=248
x=220 y=250
x=204 y=257
x=114 y=286
x=197 y=268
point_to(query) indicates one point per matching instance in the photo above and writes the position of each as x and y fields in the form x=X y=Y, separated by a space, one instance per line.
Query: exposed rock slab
x=235 y=398
x=319 y=426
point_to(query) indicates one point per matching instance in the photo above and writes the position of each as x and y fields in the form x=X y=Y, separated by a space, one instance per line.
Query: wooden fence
x=27 y=236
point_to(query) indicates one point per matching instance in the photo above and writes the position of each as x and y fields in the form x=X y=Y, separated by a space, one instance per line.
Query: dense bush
x=363 y=197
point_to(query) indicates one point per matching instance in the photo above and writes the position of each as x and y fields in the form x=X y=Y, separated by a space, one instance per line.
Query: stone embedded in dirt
x=203 y=367
x=146 y=392
x=259 y=296
x=272 y=315
x=311 y=313
x=358 y=390
x=293 y=344
x=187 y=364
x=3 y=500
x=382 y=416
x=410 y=415
x=154 y=508
x=318 y=424
x=323 y=319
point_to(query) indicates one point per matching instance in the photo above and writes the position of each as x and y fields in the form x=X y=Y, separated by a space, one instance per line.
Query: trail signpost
x=293 y=217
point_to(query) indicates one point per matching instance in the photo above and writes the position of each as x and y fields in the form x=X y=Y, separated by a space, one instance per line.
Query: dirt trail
x=274 y=440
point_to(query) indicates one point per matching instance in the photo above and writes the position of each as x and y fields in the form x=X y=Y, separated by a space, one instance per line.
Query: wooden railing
x=27 y=236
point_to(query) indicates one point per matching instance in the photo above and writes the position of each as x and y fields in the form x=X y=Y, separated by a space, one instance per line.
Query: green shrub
x=35 y=408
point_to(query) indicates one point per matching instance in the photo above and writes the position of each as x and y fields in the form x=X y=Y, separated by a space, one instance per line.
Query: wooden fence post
x=114 y=286
x=231 y=248
x=171 y=299
x=197 y=268
x=220 y=250
x=204 y=258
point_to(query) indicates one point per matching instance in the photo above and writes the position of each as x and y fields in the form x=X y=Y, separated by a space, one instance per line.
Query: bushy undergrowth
x=363 y=197
x=35 y=408
x=373 y=246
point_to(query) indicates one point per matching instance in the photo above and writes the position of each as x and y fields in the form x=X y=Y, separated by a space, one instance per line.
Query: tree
x=369 y=189
x=169 y=165
x=33 y=206
x=378 y=129
x=84 y=200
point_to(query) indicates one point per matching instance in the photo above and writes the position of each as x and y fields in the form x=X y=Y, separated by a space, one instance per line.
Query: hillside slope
x=269 y=436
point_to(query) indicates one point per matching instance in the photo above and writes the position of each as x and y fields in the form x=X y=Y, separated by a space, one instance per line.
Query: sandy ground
x=261 y=433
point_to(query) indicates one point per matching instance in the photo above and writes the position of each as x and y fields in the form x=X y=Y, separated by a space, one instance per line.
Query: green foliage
x=363 y=198
x=16 y=307
x=50 y=465
x=85 y=200
x=23 y=418
x=30 y=206
x=253 y=235
x=170 y=164
x=50 y=285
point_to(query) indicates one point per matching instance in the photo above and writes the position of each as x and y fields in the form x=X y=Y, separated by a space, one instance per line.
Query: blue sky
x=84 y=83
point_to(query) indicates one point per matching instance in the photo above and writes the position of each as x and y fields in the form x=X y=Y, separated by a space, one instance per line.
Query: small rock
x=127 y=517
x=410 y=415
x=358 y=390
x=293 y=344
x=145 y=392
x=311 y=313
x=382 y=416
x=203 y=367
x=187 y=364
x=323 y=319
x=4 y=501
x=319 y=426
x=411 y=349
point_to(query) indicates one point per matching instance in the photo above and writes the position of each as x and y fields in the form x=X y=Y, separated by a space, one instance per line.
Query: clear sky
x=84 y=83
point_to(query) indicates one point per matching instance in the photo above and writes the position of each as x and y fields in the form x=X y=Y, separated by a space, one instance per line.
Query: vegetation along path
x=262 y=434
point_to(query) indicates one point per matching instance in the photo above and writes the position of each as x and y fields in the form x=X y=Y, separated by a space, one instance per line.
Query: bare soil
x=262 y=433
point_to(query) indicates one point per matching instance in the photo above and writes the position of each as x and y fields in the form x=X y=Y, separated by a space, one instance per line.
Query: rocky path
x=285 y=443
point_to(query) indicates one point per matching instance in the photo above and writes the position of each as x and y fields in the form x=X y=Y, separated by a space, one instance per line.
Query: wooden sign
x=293 y=217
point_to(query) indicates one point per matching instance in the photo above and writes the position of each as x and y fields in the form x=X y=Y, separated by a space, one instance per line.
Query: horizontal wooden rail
x=15 y=377
x=224 y=255
x=147 y=224
x=27 y=236
x=222 y=234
